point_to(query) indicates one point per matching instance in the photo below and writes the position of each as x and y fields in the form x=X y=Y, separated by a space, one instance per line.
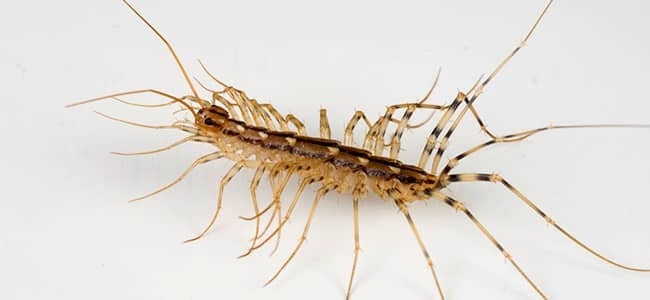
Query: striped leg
x=498 y=179
x=402 y=206
x=224 y=181
x=459 y=206
x=479 y=90
x=433 y=137
x=321 y=192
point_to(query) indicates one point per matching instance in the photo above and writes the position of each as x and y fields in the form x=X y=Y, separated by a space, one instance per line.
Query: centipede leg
x=348 y=136
x=356 y=195
x=321 y=192
x=297 y=195
x=495 y=178
x=276 y=199
x=459 y=206
x=276 y=115
x=300 y=127
x=225 y=180
x=259 y=172
x=404 y=209
x=325 y=131
x=201 y=160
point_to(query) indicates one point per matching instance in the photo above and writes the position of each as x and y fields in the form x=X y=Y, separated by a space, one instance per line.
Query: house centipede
x=257 y=136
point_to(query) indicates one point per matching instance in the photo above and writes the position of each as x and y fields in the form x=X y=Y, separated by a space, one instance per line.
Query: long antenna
x=169 y=46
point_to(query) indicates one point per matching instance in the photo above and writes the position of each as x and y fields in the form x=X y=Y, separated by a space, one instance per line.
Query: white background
x=66 y=231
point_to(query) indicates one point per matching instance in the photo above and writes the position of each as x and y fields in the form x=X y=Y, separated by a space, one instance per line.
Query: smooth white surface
x=68 y=233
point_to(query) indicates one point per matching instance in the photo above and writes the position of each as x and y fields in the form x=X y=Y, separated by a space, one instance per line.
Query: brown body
x=259 y=137
x=310 y=156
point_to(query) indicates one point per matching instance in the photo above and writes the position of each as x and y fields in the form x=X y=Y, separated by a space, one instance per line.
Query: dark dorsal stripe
x=326 y=150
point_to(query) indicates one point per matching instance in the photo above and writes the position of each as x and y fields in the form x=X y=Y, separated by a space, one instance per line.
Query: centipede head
x=212 y=116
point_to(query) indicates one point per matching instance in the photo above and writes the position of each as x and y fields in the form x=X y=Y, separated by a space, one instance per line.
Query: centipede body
x=334 y=154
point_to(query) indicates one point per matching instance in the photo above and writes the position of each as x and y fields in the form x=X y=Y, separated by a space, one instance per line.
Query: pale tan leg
x=301 y=188
x=321 y=192
x=201 y=160
x=402 y=206
x=225 y=180
x=276 y=199
x=473 y=177
x=276 y=115
x=255 y=182
x=300 y=127
x=325 y=131
x=348 y=137
x=459 y=206
x=356 y=195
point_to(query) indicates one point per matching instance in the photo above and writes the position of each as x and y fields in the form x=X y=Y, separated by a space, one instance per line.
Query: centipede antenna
x=169 y=46
x=111 y=96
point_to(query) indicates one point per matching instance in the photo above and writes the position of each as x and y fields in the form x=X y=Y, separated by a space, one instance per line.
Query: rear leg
x=459 y=206
x=404 y=209
x=495 y=178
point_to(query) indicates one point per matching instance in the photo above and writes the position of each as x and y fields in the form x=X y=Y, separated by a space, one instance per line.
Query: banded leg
x=201 y=160
x=520 y=136
x=479 y=90
x=431 y=141
x=433 y=137
x=402 y=207
x=495 y=178
x=459 y=206
x=225 y=180
x=319 y=194
x=396 y=139
x=325 y=131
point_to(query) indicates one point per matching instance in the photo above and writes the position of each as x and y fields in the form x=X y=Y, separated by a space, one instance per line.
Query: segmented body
x=317 y=159
x=257 y=136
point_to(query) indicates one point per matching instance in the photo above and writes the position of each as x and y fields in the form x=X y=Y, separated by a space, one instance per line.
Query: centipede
x=277 y=147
